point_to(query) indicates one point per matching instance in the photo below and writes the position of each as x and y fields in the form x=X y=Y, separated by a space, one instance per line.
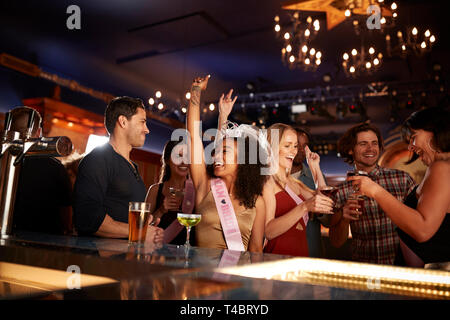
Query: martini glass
x=188 y=220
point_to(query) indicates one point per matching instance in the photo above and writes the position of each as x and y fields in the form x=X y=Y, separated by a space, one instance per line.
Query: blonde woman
x=288 y=201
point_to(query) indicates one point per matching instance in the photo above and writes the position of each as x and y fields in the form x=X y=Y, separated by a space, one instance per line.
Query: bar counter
x=40 y=266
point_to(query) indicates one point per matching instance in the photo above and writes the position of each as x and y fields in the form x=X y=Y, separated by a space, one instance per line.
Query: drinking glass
x=188 y=220
x=138 y=216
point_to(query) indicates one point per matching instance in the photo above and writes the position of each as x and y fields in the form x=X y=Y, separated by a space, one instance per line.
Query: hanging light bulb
x=345 y=56
x=423 y=45
x=432 y=39
x=414 y=31
x=160 y=106
x=277 y=18
x=376 y=62
x=287 y=35
x=158 y=94
x=403 y=47
x=318 y=55
x=151 y=101
x=304 y=49
x=368 y=65
x=312 y=51
x=309 y=19
x=183 y=109
x=399 y=34
x=316 y=25
x=288 y=48
x=277 y=28
x=383 y=20
x=307 y=33
x=211 y=107
x=348 y=13
x=394 y=6
x=352 y=69
x=427 y=33
x=318 y=61
x=291 y=59
x=394 y=14
x=354 y=52
x=188 y=95
x=307 y=61
x=371 y=50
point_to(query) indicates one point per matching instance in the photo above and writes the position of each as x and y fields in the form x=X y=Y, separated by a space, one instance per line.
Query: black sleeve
x=89 y=194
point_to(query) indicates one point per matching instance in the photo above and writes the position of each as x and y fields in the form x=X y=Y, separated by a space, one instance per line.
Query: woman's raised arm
x=197 y=160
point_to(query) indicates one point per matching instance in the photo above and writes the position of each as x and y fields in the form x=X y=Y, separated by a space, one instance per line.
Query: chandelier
x=297 y=51
x=361 y=62
x=411 y=42
x=371 y=14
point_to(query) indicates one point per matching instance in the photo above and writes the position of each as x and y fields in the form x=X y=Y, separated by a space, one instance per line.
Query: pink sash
x=188 y=205
x=297 y=200
x=227 y=215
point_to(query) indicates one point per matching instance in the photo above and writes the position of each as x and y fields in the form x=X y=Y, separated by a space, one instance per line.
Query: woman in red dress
x=285 y=219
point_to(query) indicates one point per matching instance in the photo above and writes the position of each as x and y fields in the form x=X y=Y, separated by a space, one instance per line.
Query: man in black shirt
x=43 y=195
x=108 y=180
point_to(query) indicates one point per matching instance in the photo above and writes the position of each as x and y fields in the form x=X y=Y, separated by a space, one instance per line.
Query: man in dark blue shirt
x=301 y=172
x=108 y=180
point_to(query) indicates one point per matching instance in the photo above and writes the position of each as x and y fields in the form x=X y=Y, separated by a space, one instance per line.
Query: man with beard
x=107 y=179
x=374 y=239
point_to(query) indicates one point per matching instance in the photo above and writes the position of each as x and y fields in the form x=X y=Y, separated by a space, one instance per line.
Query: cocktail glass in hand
x=360 y=198
x=356 y=195
x=328 y=191
x=138 y=217
x=188 y=220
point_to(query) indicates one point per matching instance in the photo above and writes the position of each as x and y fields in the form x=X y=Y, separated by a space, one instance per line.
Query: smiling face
x=288 y=149
x=136 y=128
x=179 y=160
x=420 y=143
x=225 y=160
x=366 y=151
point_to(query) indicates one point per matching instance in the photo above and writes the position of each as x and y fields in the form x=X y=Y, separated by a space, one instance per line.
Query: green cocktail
x=188 y=220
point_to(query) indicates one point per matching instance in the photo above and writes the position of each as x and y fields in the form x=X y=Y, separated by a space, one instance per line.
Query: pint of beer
x=138 y=221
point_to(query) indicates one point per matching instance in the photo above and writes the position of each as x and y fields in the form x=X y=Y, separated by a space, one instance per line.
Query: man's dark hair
x=433 y=120
x=300 y=130
x=120 y=106
x=348 y=141
x=20 y=116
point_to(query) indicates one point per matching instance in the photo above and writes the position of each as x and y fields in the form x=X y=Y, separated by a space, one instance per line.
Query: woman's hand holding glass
x=319 y=203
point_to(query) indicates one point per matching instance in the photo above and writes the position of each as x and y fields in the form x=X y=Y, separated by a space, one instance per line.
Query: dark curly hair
x=433 y=120
x=348 y=141
x=249 y=181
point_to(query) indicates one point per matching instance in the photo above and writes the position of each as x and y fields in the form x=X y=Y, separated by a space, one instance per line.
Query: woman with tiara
x=228 y=190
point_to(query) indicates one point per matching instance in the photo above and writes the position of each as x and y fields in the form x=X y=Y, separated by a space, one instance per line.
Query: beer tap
x=8 y=136
x=14 y=147
x=28 y=141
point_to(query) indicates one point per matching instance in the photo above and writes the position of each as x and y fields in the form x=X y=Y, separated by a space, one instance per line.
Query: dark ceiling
x=136 y=47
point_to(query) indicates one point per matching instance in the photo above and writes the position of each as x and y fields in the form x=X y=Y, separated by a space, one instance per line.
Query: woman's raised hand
x=226 y=103
x=201 y=83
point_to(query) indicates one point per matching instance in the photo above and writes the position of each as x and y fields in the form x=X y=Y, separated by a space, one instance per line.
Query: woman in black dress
x=424 y=219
